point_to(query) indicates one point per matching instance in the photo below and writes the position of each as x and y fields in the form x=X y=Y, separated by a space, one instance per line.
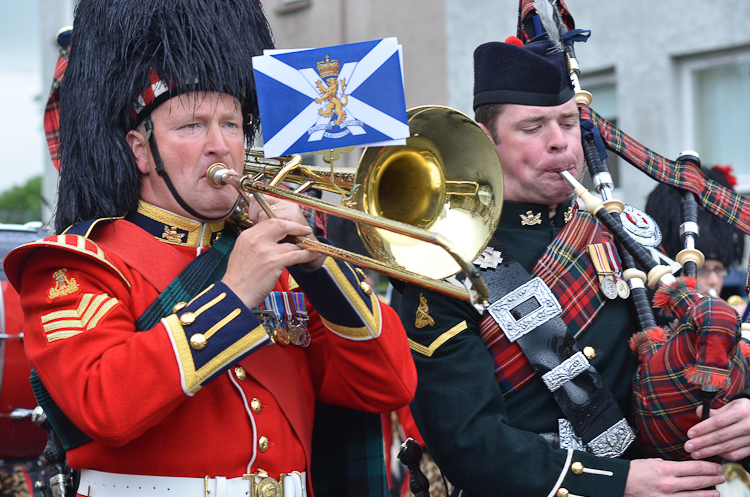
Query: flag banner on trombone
x=332 y=97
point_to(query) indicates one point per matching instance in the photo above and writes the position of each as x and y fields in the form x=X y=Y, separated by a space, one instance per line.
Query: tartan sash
x=547 y=343
x=571 y=276
x=205 y=269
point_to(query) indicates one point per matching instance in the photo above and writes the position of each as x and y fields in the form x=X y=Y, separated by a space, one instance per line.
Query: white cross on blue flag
x=331 y=97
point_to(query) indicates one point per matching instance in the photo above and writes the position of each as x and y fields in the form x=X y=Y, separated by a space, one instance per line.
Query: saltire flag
x=331 y=97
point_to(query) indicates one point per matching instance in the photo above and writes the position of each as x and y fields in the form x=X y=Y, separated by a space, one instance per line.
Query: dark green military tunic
x=488 y=445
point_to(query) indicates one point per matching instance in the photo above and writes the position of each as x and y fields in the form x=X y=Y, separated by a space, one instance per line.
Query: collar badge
x=489 y=258
x=171 y=235
x=530 y=219
x=423 y=318
x=569 y=213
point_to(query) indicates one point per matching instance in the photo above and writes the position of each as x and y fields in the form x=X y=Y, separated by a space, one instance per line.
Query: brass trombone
x=413 y=204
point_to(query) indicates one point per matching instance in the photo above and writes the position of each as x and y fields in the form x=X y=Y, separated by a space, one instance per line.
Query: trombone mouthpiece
x=216 y=174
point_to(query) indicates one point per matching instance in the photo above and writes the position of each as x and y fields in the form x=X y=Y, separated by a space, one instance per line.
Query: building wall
x=639 y=43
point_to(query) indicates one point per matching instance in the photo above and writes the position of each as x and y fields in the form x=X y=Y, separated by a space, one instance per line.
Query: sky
x=21 y=103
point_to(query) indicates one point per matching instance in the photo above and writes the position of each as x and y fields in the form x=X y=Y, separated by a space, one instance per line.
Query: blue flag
x=331 y=97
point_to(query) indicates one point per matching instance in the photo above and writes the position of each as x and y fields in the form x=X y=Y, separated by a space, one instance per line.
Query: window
x=716 y=104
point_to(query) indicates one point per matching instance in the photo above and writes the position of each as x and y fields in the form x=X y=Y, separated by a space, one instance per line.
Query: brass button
x=187 y=318
x=576 y=468
x=563 y=492
x=239 y=373
x=198 y=341
x=179 y=306
x=589 y=352
x=365 y=287
x=360 y=273
x=263 y=444
x=255 y=405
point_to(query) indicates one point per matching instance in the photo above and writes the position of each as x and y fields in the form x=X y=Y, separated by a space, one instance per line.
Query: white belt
x=100 y=484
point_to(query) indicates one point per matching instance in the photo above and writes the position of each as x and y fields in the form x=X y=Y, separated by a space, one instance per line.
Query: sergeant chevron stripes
x=70 y=322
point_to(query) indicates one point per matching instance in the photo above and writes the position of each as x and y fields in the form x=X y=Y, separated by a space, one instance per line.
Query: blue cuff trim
x=211 y=333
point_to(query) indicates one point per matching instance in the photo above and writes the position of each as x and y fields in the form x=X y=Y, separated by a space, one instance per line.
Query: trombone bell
x=427 y=208
x=408 y=186
x=446 y=179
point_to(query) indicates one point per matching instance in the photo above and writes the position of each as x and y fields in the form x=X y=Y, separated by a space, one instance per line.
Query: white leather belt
x=101 y=484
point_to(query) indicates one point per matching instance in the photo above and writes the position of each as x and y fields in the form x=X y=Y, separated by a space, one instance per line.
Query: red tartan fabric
x=718 y=200
x=512 y=370
x=156 y=88
x=702 y=349
x=567 y=270
x=52 y=109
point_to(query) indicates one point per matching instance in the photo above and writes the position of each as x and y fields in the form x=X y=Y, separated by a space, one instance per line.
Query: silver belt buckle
x=516 y=327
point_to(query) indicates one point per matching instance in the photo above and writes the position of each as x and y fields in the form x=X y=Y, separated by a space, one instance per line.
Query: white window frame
x=687 y=67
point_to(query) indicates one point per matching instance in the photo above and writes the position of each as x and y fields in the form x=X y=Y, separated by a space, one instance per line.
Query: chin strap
x=163 y=173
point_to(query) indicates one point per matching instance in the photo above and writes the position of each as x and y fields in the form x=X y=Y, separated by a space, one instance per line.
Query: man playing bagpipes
x=174 y=355
x=534 y=398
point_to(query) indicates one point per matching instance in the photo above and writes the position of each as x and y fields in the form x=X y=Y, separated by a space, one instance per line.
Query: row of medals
x=614 y=286
x=295 y=331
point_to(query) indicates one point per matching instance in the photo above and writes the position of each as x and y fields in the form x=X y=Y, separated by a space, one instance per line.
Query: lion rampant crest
x=329 y=91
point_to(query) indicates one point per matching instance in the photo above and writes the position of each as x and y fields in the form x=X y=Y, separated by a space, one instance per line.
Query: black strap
x=527 y=306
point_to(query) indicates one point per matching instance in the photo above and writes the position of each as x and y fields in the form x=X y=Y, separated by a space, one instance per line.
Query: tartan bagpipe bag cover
x=701 y=348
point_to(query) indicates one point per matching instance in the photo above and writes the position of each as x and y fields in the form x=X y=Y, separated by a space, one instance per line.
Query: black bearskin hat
x=717 y=239
x=117 y=48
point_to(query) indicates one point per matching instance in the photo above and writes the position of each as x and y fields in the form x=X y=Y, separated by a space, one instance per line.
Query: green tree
x=22 y=204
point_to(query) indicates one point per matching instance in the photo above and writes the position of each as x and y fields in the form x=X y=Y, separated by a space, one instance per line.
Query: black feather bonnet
x=717 y=240
x=116 y=47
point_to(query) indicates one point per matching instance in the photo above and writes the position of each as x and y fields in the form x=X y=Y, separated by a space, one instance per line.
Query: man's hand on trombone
x=258 y=257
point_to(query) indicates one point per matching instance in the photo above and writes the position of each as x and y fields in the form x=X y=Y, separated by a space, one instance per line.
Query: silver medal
x=623 y=290
x=608 y=287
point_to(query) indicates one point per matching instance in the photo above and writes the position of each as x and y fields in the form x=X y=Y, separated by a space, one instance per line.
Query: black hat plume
x=116 y=47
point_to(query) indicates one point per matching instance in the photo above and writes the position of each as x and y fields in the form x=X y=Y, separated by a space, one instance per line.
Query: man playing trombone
x=173 y=354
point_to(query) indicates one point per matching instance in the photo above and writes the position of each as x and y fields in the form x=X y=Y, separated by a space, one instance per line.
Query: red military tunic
x=152 y=404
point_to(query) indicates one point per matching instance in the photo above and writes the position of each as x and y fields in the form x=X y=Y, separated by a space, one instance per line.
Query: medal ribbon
x=300 y=313
x=273 y=304
x=614 y=258
x=288 y=313
x=598 y=255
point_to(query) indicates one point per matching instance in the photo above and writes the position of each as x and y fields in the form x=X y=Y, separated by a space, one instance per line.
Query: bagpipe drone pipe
x=700 y=358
